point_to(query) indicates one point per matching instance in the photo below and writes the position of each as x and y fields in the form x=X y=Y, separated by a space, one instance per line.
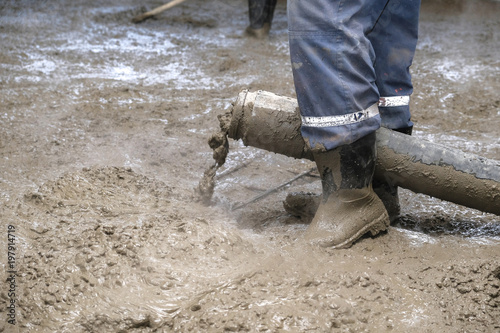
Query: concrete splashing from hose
x=219 y=144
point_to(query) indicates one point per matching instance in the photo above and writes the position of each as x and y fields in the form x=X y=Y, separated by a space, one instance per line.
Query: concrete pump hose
x=272 y=122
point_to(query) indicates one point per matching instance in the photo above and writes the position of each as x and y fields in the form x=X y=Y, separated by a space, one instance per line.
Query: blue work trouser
x=350 y=63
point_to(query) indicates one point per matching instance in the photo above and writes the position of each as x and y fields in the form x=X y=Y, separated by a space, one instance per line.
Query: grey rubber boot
x=305 y=205
x=302 y=204
x=349 y=207
x=387 y=191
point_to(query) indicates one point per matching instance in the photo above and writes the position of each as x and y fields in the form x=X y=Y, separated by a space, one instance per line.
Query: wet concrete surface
x=103 y=140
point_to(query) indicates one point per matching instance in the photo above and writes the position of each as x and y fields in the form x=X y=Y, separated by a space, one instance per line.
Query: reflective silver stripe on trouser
x=394 y=101
x=344 y=119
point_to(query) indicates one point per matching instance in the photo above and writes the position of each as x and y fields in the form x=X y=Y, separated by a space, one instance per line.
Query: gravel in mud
x=103 y=141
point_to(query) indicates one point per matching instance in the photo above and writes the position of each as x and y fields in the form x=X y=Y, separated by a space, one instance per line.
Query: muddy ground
x=103 y=139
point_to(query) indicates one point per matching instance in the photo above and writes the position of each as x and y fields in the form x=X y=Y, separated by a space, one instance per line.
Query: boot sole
x=305 y=205
x=374 y=228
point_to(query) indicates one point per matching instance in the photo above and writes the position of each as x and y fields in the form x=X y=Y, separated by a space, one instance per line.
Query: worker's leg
x=394 y=39
x=332 y=64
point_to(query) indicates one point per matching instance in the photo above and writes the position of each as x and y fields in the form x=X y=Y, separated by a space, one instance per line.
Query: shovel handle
x=156 y=11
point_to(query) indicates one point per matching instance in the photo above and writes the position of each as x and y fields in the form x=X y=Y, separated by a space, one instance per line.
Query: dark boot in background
x=260 y=13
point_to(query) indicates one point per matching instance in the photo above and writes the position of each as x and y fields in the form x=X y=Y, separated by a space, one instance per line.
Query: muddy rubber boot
x=387 y=191
x=349 y=207
x=302 y=204
x=305 y=204
x=261 y=14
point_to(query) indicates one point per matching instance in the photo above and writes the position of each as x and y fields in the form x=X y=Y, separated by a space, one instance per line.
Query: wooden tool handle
x=156 y=11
